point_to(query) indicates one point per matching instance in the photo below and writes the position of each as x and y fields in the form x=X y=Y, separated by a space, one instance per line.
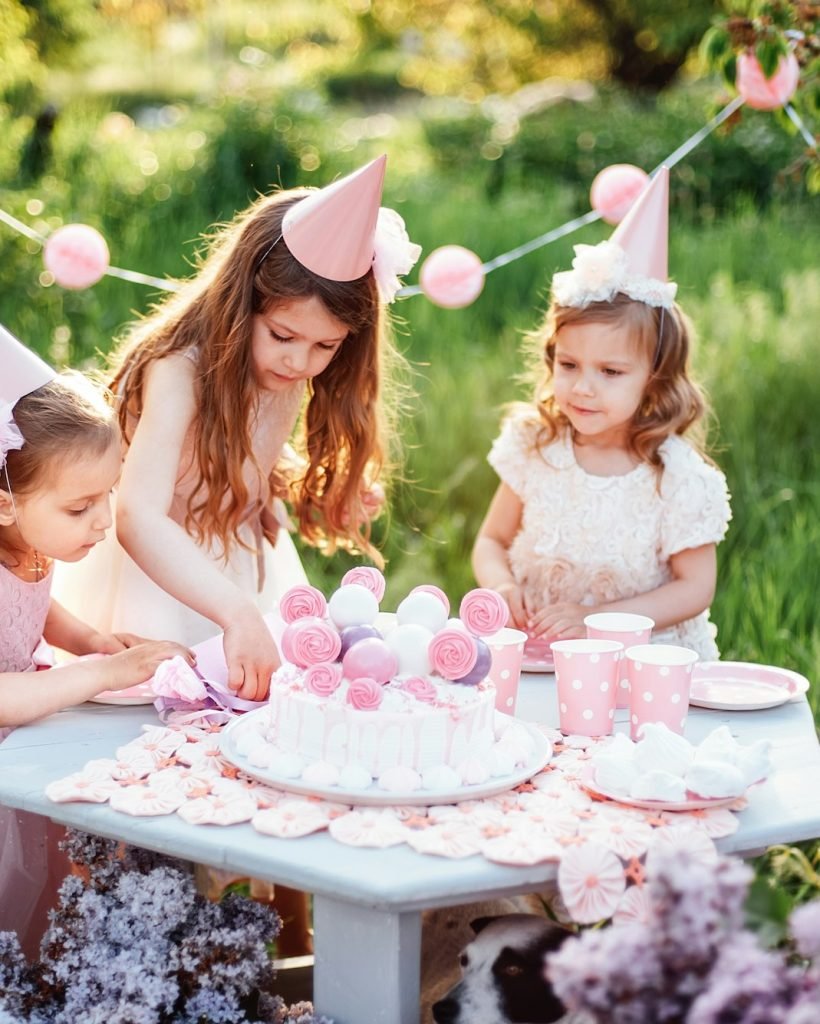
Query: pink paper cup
x=629 y=630
x=507 y=650
x=659 y=679
x=587 y=673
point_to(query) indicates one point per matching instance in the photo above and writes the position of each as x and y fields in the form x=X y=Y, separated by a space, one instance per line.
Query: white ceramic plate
x=378 y=797
x=139 y=694
x=537 y=657
x=538 y=665
x=743 y=686
x=694 y=803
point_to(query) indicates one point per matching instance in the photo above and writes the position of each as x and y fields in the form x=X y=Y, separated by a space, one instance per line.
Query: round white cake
x=397 y=701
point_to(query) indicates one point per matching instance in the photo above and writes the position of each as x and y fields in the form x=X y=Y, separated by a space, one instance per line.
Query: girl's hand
x=564 y=621
x=251 y=655
x=514 y=596
x=113 y=643
x=135 y=664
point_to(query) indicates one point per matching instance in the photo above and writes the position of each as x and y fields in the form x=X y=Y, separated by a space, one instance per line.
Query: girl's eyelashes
x=278 y=337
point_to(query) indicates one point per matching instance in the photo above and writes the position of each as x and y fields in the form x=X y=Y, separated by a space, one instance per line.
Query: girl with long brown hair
x=284 y=323
x=606 y=500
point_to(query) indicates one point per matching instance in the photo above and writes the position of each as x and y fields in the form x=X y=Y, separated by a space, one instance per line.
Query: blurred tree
x=500 y=45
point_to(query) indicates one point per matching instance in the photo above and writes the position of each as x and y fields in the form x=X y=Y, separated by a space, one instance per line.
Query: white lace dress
x=594 y=539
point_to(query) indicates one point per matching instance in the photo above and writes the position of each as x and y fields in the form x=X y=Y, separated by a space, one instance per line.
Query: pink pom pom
x=615 y=189
x=763 y=93
x=77 y=256
x=452 y=277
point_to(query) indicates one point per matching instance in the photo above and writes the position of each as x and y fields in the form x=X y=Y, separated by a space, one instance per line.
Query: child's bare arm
x=686 y=595
x=163 y=549
x=491 y=562
x=27 y=696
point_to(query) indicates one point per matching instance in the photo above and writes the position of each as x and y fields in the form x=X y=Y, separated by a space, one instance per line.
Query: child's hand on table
x=135 y=664
x=562 y=621
x=251 y=655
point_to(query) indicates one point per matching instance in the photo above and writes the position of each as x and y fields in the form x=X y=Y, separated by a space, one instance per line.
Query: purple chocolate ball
x=482 y=665
x=353 y=634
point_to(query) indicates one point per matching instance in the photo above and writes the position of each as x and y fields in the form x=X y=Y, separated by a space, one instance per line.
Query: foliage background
x=155 y=120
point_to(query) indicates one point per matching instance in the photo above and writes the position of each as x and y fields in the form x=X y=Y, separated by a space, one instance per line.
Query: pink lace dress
x=31 y=865
x=108 y=590
x=592 y=539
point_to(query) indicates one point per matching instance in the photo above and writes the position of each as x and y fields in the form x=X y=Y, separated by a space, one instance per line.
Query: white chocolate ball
x=352 y=605
x=422 y=609
x=410 y=644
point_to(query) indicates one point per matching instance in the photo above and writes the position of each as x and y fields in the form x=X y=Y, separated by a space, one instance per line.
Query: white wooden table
x=367 y=902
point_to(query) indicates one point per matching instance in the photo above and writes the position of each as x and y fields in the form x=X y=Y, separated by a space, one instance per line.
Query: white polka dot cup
x=587 y=673
x=626 y=628
x=659 y=679
x=507 y=650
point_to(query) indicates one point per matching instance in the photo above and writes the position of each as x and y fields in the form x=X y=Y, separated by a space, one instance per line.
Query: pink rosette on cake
x=452 y=652
x=301 y=602
x=175 y=678
x=323 y=679
x=484 y=611
x=430 y=588
x=420 y=688
x=310 y=641
x=366 y=576
x=364 y=694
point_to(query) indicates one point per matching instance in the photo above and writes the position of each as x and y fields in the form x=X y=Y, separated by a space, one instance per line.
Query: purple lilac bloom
x=805 y=929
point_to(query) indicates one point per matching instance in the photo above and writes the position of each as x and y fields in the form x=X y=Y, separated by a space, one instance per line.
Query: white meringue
x=614 y=774
x=714 y=779
x=663 y=750
x=719 y=745
x=658 y=785
x=755 y=762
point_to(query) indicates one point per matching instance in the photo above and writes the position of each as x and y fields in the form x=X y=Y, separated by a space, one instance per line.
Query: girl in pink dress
x=606 y=502
x=59 y=459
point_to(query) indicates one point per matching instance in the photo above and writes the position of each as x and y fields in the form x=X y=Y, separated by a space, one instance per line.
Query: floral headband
x=10 y=437
x=600 y=272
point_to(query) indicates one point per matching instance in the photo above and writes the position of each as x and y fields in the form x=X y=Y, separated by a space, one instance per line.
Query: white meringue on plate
x=660 y=749
x=658 y=785
x=714 y=779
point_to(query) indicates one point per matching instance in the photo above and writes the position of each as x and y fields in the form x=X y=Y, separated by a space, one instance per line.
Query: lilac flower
x=136 y=944
x=805 y=929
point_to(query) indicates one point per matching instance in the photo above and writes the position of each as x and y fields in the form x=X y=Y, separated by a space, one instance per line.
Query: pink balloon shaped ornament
x=762 y=93
x=615 y=189
x=452 y=277
x=77 y=255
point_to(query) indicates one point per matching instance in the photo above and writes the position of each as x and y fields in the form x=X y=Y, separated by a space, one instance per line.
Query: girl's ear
x=7 y=516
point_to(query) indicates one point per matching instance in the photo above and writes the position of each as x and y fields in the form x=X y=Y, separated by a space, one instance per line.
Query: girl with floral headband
x=606 y=500
x=285 y=321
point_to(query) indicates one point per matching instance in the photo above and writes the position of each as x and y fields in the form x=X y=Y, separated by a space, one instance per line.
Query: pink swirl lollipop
x=364 y=694
x=310 y=641
x=302 y=601
x=422 y=689
x=323 y=679
x=366 y=576
x=429 y=588
x=483 y=611
x=453 y=652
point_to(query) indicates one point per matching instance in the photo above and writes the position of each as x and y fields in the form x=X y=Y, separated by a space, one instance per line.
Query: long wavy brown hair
x=350 y=407
x=672 y=403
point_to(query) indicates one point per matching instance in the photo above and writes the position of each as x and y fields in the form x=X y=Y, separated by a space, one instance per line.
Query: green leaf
x=768 y=54
x=813 y=179
x=714 y=45
x=729 y=70
x=767 y=910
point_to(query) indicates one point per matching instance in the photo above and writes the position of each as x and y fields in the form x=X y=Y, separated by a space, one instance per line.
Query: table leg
x=367 y=963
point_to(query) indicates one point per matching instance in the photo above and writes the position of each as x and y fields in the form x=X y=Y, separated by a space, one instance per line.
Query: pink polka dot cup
x=627 y=629
x=659 y=679
x=507 y=650
x=586 y=673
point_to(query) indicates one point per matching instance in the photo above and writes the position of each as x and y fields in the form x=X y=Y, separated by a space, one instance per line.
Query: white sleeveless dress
x=108 y=590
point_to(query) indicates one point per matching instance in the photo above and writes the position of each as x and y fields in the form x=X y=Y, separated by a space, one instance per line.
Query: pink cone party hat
x=633 y=261
x=21 y=371
x=332 y=231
